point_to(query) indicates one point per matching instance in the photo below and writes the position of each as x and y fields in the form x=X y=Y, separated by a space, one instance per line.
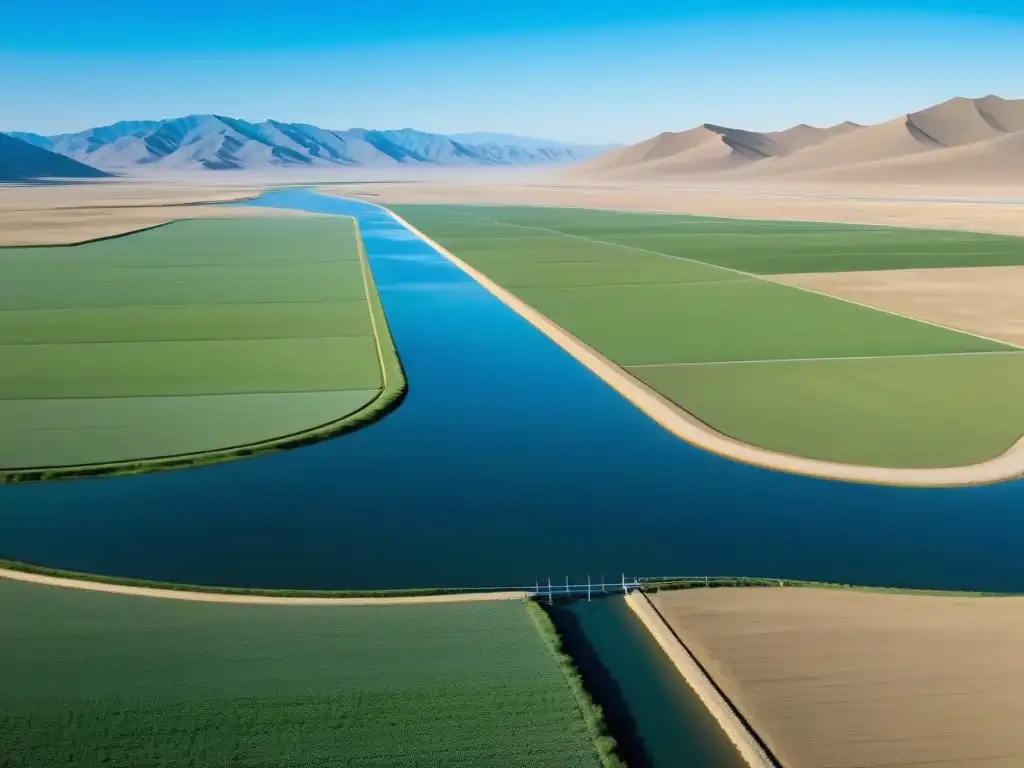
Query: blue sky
x=580 y=71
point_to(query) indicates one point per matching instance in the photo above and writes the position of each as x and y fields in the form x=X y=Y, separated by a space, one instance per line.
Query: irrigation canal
x=508 y=459
x=656 y=719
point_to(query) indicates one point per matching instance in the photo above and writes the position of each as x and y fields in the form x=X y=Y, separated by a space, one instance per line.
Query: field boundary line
x=754 y=217
x=183 y=341
x=686 y=426
x=765 y=279
x=628 y=285
x=743 y=737
x=825 y=359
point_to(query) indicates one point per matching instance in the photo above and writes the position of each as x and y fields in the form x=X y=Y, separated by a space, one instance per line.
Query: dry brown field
x=855 y=679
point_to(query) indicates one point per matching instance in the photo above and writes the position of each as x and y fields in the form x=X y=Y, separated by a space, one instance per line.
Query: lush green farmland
x=761 y=247
x=95 y=680
x=898 y=411
x=168 y=341
x=679 y=302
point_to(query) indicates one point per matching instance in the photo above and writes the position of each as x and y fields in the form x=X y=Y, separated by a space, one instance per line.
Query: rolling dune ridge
x=958 y=141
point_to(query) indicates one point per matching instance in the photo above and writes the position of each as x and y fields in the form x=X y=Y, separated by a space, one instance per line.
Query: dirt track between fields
x=223 y=597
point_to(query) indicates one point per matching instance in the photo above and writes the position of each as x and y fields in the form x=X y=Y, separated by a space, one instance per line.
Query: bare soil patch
x=65 y=227
x=848 y=679
x=61 y=214
x=120 y=193
x=984 y=300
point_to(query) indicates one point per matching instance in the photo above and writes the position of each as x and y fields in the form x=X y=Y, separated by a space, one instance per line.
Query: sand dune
x=959 y=140
x=706 y=149
x=887 y=141
x=998 y=160
x=802 y=136
x=951 y=124
x=664 y=145
x=1006 y=115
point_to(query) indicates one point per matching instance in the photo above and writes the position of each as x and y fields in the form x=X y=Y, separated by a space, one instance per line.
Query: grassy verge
x=390 y=396
x=604 y=743
x=712 y=582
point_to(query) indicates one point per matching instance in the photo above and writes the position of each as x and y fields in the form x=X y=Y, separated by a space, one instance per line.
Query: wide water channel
x=509 y=462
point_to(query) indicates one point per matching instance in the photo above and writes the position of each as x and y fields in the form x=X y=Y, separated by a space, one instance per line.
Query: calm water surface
x=507 y=460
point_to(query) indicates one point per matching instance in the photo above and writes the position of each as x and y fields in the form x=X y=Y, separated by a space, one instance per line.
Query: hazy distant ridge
x=216 y=142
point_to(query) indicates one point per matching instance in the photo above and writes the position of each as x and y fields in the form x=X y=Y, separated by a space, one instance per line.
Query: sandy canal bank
x=225 y=597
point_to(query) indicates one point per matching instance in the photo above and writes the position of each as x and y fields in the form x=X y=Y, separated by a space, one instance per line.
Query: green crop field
x=93 y=680
x=680 y=302
x=761 y=247
x=166 y=342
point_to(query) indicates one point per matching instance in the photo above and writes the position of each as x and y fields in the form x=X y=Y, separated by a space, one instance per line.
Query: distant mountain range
x=22 y=161
x=958 y=141
x=216 y=142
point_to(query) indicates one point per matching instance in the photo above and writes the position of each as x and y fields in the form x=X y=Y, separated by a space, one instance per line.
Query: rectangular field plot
x=898 y=412
x=84 y=287
x=204 y=308
x=727 y=345
x=93 y=679
x=68 y=432
x=168 y=368
x=735 y=320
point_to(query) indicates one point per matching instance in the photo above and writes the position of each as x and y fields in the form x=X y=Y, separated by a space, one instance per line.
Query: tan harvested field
x=64 y=227
x=59 y=214
x=52 y=227
x=851 y=679
x=985 y=300
x=847 y=204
